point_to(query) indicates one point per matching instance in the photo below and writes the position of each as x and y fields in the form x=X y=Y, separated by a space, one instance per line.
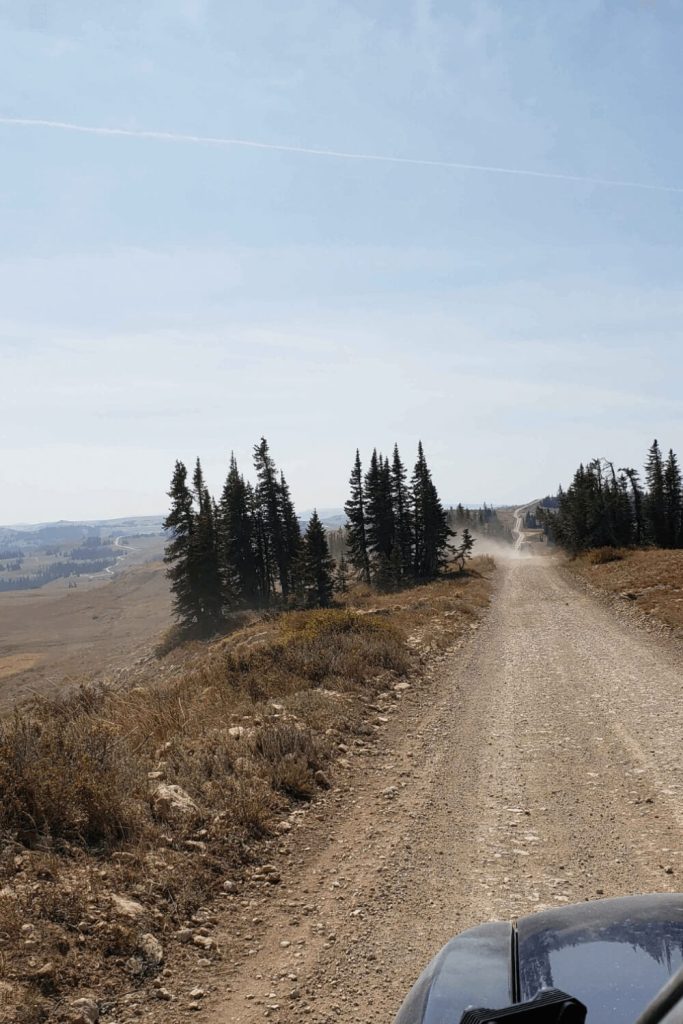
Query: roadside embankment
x=647 y=583
x=130 y=810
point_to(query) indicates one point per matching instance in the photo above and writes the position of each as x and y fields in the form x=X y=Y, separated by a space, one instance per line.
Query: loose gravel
x=538 y=764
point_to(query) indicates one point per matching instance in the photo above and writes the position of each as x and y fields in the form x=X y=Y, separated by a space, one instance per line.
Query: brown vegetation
x=124 y=807
x=52 y=634
x=601 y=556
x=651 y=579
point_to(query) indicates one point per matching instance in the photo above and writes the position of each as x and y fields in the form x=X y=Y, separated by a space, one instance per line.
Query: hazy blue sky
x=163 y=299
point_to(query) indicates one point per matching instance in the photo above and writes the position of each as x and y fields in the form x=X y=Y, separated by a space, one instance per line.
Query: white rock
x=171 y=800
x=125 y=907
x=86 y=1011
x=151 y=949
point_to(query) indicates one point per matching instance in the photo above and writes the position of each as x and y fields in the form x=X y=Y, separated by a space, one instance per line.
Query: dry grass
x=651 y=579
x=12 y=664
x=246 y=726
x=601 y=556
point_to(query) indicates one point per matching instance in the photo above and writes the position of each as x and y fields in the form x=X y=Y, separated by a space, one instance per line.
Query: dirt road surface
x=540 y=765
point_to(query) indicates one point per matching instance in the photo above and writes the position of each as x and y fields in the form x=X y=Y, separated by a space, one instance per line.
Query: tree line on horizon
x=247 y=549
x=608 y=507
x=484 y=521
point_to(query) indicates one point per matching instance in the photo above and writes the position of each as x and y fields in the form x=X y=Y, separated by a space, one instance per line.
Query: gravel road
x=540 y=764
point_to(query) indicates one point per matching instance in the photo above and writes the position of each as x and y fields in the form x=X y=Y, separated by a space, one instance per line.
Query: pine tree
x=402 y=556
x=179 y=555
x=237 y=552
x=616 y=514
x=464 y=550
x=341 y=576
x=655 y=505
x=262 y=553
x=379 y=515
x=624 y=520
x=291 y=533
x=372 y=504
x=637 y=502
x=595 y=510
x=317 y=567
x=673 y=501
x=356 y=529
x=269 y=505
x=430 y=522
x=205 y=556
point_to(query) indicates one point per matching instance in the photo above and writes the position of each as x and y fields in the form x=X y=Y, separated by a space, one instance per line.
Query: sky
x=163 y=296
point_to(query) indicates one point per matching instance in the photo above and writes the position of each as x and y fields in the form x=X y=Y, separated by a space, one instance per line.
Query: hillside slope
x=52 y=636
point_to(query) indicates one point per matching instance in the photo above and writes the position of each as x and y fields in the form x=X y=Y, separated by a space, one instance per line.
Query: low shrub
x=292 y=756
x=337 y=647
x=66 y=779
x=600 y=556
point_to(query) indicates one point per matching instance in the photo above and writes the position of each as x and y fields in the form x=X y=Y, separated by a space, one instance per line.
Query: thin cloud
x=213 y=140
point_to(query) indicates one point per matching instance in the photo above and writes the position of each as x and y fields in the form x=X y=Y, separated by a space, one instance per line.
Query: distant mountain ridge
x=332 y=518
x=68 y=529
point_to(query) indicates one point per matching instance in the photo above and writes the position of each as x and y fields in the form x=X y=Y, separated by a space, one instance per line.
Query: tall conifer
x=205 y=555
x=380 y=519
x=269 y=504
x=637 y=502
x=656 y=508
x=265 y=571
x=430 y=522
x=403 y=531
x=291 y=533
x=672 y=501
x=179 y=554
x=317 y=567
x=356 y=527
x=236 y=539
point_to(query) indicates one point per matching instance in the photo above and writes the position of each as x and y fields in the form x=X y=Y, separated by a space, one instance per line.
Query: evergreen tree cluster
x=397 y=530
x=246 y=550
x=608 y=507
x=484 y=521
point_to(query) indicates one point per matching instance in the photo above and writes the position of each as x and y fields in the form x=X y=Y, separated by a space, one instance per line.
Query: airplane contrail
x=214 y=140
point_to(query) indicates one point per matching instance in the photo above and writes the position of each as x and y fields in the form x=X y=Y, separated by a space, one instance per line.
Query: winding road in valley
x=539 y=764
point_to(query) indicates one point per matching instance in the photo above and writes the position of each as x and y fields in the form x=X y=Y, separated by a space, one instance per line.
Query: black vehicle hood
x=613 y=955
